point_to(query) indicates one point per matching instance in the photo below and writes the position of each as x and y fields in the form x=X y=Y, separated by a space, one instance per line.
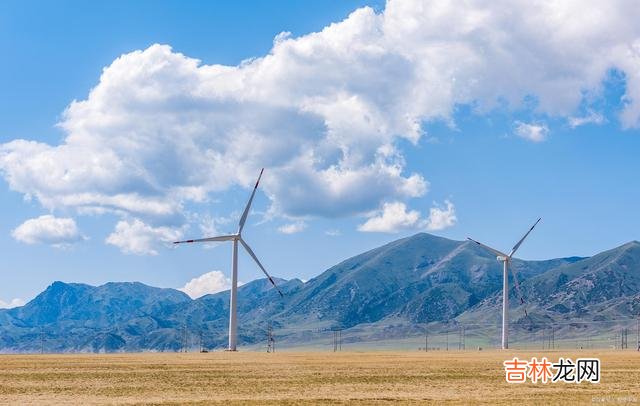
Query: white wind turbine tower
x=233 y=305
x=506 y=259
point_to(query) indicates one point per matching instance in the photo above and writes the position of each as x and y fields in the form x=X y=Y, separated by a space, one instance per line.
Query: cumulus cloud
x=293 y=228
x=531 y=132
x=392 y=218
x=136 y=237
x=324 y=112
x=211 y=282
x=395 y=217
x=441 y=218
x=12 y=303
x=48 y=229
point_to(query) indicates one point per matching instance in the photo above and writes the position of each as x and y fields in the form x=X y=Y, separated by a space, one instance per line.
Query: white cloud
x=531 y=132
x=441 y=218
x=392 y=218
x=293 y=228
x=591 y=117
x=322 y=111
x=210 y=282
x=395 y=217
x=47 y=229
x=136 y=237
x=334 y=232
x=209 y=226
x=12 y=303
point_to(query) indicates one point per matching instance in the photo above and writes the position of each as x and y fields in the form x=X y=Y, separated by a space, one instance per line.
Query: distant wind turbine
x=233 y=307
x=506 y=259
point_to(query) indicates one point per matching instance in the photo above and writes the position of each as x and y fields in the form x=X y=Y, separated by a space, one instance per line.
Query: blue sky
x=396 y=119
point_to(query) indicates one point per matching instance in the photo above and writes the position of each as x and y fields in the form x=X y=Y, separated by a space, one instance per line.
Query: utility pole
x=426 y=340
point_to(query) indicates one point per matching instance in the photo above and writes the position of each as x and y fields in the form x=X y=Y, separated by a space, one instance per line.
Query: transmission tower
x=426 y=340
x=447 y=342
x=271 y=342
x=201 y=342
x=461 y=338
x=638 y=333
x=184 y=338
x=337 y=340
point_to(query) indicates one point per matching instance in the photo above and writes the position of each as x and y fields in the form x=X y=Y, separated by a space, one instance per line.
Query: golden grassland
x=453 y=377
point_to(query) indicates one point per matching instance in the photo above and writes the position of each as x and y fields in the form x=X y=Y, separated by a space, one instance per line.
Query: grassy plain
x=314 y=377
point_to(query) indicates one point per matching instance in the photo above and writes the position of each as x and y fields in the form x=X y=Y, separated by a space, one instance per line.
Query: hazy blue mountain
x=408 y=282
x=74 y=316
x=101 y=306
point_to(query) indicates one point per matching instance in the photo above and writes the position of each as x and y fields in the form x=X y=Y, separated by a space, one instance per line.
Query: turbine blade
x=219 y=238
x=245 y=213
x=515 y=247
x=250 y=252
x=498 y=253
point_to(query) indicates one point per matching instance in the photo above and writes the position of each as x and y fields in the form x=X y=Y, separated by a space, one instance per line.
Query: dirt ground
x=313 y=377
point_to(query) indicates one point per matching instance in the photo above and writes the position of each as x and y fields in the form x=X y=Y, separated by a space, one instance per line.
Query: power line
x=284 y=330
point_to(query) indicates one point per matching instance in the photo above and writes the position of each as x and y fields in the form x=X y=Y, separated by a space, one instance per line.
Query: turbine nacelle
x=502 y=258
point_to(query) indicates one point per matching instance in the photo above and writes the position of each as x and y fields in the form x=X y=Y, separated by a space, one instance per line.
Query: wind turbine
x=237 y=237
x=506 y=259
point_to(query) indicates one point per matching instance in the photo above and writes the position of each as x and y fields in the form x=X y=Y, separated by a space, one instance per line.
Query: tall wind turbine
x=237 y=237
x=506 y=259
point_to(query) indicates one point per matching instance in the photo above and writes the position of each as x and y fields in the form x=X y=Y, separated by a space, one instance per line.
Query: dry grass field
x=314 y=377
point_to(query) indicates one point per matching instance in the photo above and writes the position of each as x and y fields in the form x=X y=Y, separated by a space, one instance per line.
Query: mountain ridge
x=411 y=281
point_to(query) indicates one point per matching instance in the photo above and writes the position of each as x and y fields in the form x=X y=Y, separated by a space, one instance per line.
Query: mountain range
x=407 y=284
